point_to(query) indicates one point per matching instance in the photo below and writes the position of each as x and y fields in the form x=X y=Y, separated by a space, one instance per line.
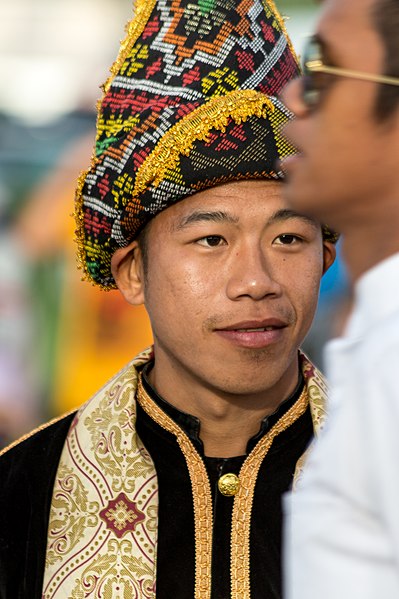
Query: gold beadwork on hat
x=196 y=126
x=180 y=111
x=228 y=484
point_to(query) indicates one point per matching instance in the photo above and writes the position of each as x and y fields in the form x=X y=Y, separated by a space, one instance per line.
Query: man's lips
x=268 y=323
x=253 y=333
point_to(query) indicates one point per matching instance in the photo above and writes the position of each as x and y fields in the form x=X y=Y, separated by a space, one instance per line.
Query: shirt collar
x=191 y=425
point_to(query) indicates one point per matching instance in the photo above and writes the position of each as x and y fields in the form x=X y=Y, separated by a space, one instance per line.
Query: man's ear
x=329 y=255
x=128 y=272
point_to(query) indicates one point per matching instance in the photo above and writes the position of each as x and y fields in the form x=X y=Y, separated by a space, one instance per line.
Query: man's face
x=347 y=159
x=231 y=287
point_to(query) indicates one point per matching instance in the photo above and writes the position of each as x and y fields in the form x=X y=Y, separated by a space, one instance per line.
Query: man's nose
x=292 y=97
x=252 y=276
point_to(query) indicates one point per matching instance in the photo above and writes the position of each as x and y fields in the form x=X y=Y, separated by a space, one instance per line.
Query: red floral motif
x=190 y=76
x=121 y=515
x=139 y=157
x=151 y=27
x=103 y=186
x=154 y=68
x=95 y=224
x=268 y=32
x=245 y=60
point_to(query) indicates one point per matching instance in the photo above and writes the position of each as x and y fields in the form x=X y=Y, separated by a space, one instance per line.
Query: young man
x=343 y=524
x=168 y=482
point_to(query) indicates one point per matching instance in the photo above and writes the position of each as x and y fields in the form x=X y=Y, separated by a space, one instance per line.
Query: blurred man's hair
x=386 y=18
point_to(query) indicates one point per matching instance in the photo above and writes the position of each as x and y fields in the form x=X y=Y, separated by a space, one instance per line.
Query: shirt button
x=229 y=484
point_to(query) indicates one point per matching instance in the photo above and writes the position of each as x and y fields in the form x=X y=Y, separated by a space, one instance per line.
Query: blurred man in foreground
x=343 y=523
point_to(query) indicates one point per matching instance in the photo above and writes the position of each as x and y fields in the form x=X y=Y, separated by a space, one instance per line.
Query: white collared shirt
x=342 y=523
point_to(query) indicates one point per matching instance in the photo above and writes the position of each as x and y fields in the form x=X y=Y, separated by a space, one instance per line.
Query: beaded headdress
x=190 y=104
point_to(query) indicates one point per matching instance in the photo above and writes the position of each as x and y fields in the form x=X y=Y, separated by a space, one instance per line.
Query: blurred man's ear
x=329 y=255
x=127 y=270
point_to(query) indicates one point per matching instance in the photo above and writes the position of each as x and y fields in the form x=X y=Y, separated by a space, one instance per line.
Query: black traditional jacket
x=119 y=498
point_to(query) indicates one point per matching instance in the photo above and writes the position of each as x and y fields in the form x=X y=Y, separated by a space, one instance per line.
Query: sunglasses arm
x=316 y=66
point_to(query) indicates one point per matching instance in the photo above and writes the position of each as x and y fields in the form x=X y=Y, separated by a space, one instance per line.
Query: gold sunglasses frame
x=317 y=66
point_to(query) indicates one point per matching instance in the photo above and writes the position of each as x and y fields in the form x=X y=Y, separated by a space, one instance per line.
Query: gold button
x=229 y=484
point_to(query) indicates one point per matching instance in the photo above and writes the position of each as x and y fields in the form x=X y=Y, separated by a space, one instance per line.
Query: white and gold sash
x=102 y=536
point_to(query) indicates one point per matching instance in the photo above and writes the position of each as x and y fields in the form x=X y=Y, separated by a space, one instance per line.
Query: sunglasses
x=316 y=74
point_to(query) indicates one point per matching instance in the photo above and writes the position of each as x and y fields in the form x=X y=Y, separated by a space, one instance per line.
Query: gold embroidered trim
x=242 y=509
x=202 y=497
x=196 y=126
x=201 y=490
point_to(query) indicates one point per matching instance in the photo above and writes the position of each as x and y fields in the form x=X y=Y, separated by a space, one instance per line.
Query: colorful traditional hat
x=189 y=105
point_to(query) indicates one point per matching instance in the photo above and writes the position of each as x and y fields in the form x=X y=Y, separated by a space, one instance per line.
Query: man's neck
x=369 y=227
x=227 y=422
x=367 y=245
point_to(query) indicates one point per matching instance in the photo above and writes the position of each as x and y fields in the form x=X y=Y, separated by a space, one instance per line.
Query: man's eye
x=287 y=239
x=211 y=241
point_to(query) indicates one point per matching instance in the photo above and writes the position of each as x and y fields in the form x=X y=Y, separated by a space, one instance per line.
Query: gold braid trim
x=202 y=497
x=242 y=509
x=239 y=105
x=201 y=491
